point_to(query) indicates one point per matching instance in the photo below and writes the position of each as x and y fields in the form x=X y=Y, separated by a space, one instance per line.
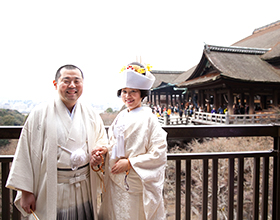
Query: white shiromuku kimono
x=136 y=135
x=42 y=165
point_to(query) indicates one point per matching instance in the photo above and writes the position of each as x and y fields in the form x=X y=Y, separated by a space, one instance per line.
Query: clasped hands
x=96 y=155
x=122 y=165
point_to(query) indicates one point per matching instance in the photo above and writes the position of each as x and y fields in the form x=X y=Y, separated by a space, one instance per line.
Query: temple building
x=164 y=91
x=246 y=74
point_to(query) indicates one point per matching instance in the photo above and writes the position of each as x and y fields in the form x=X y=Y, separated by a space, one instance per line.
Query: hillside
x=9 y=118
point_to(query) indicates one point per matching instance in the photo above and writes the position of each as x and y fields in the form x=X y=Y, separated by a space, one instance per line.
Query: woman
x=136 y=155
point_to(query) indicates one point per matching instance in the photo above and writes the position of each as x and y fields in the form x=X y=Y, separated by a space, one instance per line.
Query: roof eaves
x=266 y=26
x=234 y=49
x=163 y=86
x=166 y=72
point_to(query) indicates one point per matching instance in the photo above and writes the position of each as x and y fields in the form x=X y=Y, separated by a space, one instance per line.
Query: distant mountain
x=11 y=117
x=25 y=106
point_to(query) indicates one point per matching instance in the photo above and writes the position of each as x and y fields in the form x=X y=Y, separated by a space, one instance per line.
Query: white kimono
x=34 y=168
x=136 y=135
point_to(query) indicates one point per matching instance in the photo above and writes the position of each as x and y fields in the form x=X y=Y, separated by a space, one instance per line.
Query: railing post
x=227 y=118
x=265 y=186
x=205 y=189
x=276 y=180
x=5 y=192
x=214 y=188
x=240 y=188
x=16 y=213
x=165 y=118
x=178 y=190
x=188 y=190
x=256 y=188
x=230 y=188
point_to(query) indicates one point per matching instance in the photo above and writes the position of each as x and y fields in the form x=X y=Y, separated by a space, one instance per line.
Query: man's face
x=70 y=86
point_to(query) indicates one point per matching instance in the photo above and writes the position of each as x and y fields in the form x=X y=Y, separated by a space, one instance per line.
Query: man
x=51 y=168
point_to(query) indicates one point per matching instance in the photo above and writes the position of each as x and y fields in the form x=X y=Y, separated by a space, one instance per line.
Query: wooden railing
x=205 y=118
x=260 y=207
x=209 y=118
x=229 y=131
x=253 y=119
x=166 y=120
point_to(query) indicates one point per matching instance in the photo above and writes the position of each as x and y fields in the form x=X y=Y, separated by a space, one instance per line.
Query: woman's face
x=131 y=98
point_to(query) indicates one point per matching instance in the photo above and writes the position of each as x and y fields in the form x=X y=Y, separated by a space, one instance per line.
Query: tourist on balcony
x=169 y=111
x=220 y=110
x=51 y=169
x=213 y=111
x=136 y=155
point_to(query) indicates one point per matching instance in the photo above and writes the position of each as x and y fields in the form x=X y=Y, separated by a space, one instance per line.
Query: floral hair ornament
x=149 y=67
x=137 y=68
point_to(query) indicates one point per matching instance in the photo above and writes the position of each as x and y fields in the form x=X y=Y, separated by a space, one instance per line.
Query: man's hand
x=96 y=155
x=27 y=201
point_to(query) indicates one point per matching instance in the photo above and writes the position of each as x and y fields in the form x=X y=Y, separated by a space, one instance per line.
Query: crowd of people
x=177 y=110
x=189 y=109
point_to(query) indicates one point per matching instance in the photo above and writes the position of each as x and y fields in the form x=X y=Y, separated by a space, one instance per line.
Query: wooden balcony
x=261 y=209
x=204 y=118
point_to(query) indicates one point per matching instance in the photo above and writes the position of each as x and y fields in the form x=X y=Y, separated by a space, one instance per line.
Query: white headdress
x=135 y=77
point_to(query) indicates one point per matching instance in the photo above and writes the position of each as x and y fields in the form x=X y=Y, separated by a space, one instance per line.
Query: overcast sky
x=37 y=37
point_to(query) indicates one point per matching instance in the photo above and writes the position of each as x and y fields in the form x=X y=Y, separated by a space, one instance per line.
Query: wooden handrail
x=181 y=132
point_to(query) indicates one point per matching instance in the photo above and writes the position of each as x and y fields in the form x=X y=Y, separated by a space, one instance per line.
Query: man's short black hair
x=68 y=67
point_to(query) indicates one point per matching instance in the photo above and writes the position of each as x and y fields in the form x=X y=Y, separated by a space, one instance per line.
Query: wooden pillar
x=230 y=101
x=185 y=97
x=199 y=98
x=167 y=99
x=155 y=98
x=263 y=102
x=208 y=102
x=251 y=103
x=175 y=99
x=181 y=99
x=220 y=100
x=188 y=95
x=158 y=95
x=242 y=97
x=216 y=103
x=275 y=97
x=202 y=103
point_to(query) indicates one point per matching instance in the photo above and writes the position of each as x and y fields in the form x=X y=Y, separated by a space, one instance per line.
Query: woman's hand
x=27 y=201
x=120 y=166
x=96 y=155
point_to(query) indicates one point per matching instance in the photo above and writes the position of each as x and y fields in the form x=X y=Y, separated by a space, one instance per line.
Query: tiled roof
x=245 y=50
x=265 y=37
x=253 y=59
x=165 y=76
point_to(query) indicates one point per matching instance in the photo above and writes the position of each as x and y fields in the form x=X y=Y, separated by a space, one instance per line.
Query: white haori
x=37 y=155
x=72 y=139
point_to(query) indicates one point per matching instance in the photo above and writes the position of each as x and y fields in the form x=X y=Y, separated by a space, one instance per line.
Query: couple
x=62 y=144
